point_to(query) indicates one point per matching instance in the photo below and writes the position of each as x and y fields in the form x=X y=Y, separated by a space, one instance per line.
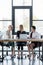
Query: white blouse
x=35 y=35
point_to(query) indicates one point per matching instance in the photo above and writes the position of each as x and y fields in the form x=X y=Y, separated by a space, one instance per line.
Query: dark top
x=18 y=35
x=31 y=34
x=19 y=32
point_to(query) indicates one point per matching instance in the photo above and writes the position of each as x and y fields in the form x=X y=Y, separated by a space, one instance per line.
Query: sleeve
x=7 y=34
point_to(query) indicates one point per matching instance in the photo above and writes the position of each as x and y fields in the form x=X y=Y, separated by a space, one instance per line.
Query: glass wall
x=22 y=2
x=38 y=15
x=22 y=16
x=5 y=10
x=39 y=26
x=5 y=14
x=4 y=25
x=37 y=9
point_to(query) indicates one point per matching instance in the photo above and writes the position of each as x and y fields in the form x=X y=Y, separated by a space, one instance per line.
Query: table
x=20 y=40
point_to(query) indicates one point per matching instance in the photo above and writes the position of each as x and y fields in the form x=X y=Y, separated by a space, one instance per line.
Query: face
x=21 y=28
x=10 y=28
x=32 y=30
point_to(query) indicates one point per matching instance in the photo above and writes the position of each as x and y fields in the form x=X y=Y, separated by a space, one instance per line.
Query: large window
x=39 y=26
x=22 y=2
x=22 y=16
x=4 y=25
x=37 y=9
x=5 y=14
x=5 y=10
x=38 y=15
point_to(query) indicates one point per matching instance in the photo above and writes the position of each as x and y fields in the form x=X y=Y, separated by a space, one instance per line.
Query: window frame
x=13 y=15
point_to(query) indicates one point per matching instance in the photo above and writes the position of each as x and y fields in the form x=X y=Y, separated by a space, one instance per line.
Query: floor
x=24 y=61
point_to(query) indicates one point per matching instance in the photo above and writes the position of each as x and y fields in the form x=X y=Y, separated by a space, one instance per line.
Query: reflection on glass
x=22 y=16
x=37 y=9
x=39 y=26
x=22 y=2
x=5 y=10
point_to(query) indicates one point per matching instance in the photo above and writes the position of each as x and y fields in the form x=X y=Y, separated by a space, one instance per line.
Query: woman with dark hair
x=31 y=45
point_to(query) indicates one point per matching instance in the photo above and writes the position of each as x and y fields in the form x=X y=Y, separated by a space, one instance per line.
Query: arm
x=29 y=35
x=7 y=34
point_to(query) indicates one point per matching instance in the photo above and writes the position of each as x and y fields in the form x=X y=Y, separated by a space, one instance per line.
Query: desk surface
x=20 y=40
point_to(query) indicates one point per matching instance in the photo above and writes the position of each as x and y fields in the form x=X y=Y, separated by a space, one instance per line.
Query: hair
x=10 y=26
x=34 y=27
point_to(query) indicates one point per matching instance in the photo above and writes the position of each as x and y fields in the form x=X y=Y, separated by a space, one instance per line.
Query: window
x=5 y=10
x=22 y=16
x=39 y=26
x=5 y=16
x=37 y=9
x=22 y=2
x=4 y=25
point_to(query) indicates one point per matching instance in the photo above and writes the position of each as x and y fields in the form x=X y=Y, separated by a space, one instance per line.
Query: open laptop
x=23 y=36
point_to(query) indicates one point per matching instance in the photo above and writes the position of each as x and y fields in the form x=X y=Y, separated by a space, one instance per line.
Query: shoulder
x=18 y=31
x=29 y=32
x=24 y=32
x=36 y=33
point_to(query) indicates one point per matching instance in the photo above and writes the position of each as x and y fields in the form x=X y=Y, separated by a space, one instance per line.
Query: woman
x=10 y=36
x=31 y=45
x=20 y=44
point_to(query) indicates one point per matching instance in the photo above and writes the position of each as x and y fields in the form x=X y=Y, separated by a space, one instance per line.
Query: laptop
x=23 y=36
